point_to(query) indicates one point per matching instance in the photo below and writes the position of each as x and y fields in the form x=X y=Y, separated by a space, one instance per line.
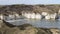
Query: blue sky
x=8 y=2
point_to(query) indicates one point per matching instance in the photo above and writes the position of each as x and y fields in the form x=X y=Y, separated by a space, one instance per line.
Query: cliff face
x=8 y=9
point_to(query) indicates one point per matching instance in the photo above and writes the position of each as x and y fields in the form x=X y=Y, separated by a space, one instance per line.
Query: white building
x=59 y=11
x=33 y=15
x=53 y=16
x=28 y=15
x=44 y=13
x=47 y=16
x=11 y=16
x=17 y=15
x=38 y=16
x=1 y=17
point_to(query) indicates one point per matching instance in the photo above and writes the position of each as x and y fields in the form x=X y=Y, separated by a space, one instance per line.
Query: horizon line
x=29 y=4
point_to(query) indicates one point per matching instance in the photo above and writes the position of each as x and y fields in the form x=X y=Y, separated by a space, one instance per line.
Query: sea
x=43 y=23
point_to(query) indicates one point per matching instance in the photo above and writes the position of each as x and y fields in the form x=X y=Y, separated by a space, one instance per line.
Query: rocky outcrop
x=27 y=29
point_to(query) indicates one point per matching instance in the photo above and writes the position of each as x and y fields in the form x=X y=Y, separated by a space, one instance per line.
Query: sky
x=9 y=2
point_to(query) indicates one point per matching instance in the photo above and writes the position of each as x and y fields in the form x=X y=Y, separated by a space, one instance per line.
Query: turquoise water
x=35 y=22
x=45 y=23
x=39 y=23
